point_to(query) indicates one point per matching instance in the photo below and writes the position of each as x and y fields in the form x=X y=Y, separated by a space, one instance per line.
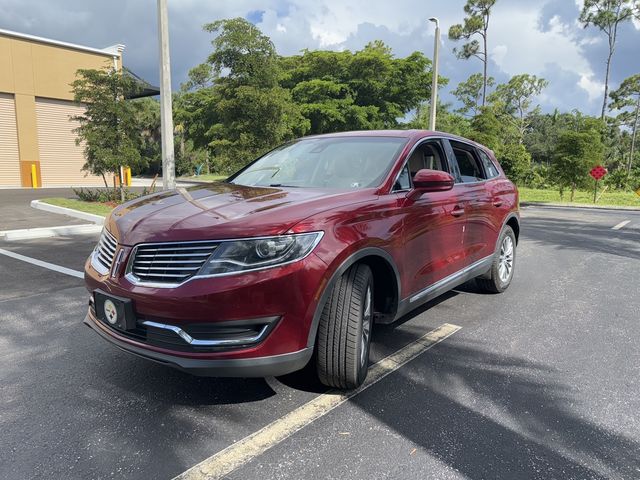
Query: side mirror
x=426 y=181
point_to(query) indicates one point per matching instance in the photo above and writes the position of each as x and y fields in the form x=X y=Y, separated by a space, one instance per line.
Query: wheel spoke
x=505 y=262
x=366 y=327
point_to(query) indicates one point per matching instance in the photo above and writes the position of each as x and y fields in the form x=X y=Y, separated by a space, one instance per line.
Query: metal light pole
x=166 y=115
x=434 y=83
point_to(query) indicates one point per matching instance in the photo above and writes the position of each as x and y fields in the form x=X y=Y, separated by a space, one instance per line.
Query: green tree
x=627 y=99
x=475 y=23
x=490 y=130
x=487 y=129
x=233 y=104
x=447 y=120
x=148 y=128
x=540 y=138
x=515 y=160
x=370 y=88
x=469 y=93
x=107 y=129
x=515 y=99
x=194 y=109
x=577 y=151
x=246 y=54
x=607 y=15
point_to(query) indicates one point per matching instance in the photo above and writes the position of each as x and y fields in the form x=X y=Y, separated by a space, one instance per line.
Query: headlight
x=253 y=254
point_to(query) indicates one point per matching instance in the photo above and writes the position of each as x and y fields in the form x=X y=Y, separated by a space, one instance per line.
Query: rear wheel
x=344 y=332
x=499 y=277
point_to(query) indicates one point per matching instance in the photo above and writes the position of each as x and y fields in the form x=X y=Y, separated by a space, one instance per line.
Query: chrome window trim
x=135 y=281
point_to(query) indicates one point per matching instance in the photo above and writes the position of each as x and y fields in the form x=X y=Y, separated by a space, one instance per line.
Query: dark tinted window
x=470 y=170
x=490 y=169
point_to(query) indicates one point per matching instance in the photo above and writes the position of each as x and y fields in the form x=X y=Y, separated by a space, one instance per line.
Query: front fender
x=338 y=268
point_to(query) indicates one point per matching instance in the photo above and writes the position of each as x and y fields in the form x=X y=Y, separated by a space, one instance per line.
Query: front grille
x=170 y=262
x=106 y=249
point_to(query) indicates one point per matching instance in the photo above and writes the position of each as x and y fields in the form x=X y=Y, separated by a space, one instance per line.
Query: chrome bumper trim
x=211 y=343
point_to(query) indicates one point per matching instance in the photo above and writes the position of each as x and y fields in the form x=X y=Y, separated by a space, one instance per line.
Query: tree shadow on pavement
x=490 y=415
x=69 y=398
x=574 y=235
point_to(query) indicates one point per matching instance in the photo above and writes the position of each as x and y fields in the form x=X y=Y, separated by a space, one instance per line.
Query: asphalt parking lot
x=539 y=382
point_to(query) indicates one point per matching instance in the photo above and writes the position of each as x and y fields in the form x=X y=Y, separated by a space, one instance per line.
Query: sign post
x=597 y=173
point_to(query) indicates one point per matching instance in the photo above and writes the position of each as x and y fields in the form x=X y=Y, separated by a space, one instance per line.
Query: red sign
x=598 y=172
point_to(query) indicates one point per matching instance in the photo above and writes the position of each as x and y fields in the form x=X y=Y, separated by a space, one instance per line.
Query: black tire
x=491 y=282
x=340 y=360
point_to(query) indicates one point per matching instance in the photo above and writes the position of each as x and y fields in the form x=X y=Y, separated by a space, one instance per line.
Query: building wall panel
x=61 y=160
x=9 y=154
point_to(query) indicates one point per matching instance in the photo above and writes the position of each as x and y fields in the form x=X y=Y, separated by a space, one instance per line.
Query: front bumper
x=274 y=365
x=289 y=294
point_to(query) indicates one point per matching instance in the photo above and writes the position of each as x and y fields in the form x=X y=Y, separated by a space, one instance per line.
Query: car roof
x=369 y=133
x=413 y=134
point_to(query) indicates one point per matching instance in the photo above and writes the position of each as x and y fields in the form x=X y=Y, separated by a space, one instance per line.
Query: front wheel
x=498 y=279
x=344 y=332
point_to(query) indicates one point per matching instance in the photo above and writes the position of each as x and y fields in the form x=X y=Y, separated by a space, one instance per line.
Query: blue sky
x=541 y=37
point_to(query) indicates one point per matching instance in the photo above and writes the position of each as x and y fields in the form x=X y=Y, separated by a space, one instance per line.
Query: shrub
x=104 y=195
x=539 y=176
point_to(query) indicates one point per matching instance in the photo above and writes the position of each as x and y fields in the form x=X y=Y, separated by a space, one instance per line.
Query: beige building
x=36 y=104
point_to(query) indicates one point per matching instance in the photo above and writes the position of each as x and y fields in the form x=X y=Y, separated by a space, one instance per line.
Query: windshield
x=329 y=162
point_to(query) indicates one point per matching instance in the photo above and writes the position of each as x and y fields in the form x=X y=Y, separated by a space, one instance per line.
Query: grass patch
x=612 y=198
x=205 y=177
x=97 y=208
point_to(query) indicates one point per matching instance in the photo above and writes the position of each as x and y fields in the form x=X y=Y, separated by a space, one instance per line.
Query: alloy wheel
x=505 y=264
x=366 y=327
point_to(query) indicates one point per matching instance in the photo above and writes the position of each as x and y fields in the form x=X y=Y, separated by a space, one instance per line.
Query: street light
x=434 y=82
x=166 y=111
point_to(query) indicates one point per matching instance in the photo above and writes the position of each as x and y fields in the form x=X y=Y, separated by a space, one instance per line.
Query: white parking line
x=40 y=263
x=620 y=225
x=46 y=232
x=250 y=447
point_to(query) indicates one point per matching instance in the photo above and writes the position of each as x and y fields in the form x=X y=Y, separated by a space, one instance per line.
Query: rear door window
x=469 y=164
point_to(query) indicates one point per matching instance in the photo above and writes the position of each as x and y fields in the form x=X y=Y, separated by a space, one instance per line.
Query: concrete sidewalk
x=16 y=212
x=147 y=181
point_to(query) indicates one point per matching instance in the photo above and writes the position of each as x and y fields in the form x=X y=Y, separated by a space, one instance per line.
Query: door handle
x=457 y=211
x=497 y=203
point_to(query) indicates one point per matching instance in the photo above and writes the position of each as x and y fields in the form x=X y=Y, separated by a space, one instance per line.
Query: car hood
x=222 y=210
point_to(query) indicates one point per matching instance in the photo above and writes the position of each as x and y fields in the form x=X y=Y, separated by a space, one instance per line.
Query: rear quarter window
x=490 y=170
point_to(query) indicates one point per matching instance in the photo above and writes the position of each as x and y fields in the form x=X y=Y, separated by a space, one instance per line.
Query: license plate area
x=117 y=312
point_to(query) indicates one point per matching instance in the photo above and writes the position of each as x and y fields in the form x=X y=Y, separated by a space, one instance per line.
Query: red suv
x=302 y=251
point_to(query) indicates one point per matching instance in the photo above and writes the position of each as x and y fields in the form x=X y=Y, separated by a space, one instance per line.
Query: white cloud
x=516 y=42
x=535 y=51
x=594 y=88
x=498 y=53
x=333 y=21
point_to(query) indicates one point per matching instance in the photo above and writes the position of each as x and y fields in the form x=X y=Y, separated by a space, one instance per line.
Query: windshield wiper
x=283 y=185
